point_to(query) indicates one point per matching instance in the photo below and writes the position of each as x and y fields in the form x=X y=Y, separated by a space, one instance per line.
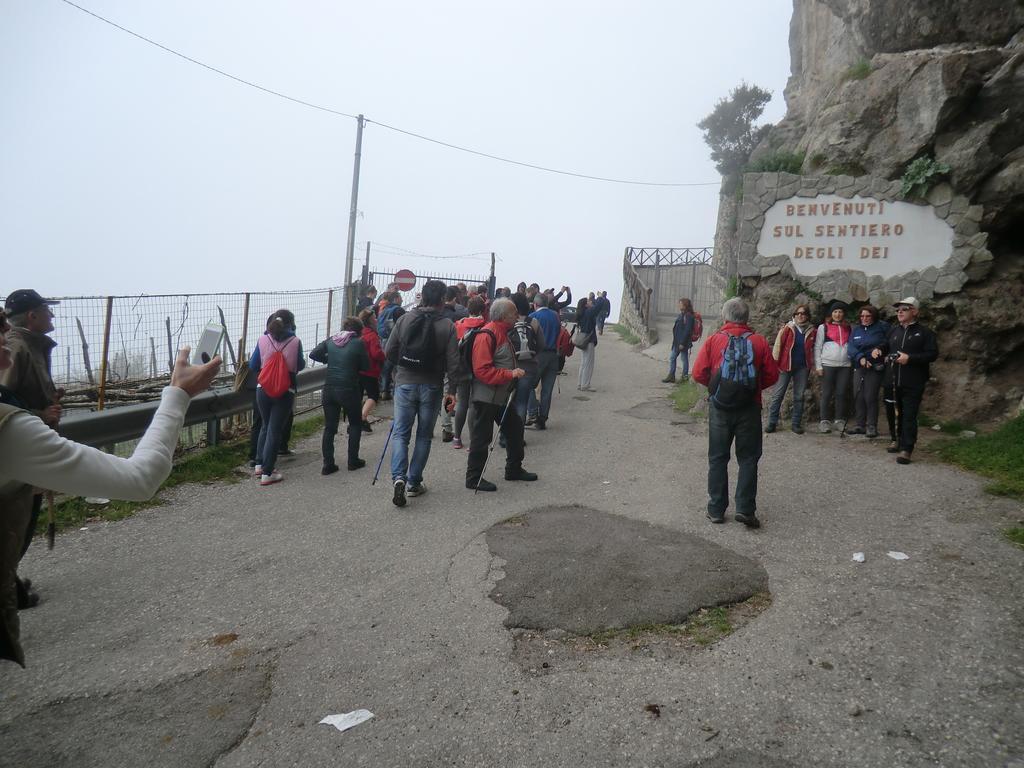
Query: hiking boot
x=329 y=469
x=750 y=520
x=769 y=429
x=416 y=490
x=839 y=425
x=447 y=436
x=399 y=498
x=824 y=427
x=273 y=477
x=893 y=447
x=856 y=431
x=27 y=597
x=541 y=423
x=797 y=429
x=669 y=380
x=456 y=443
x=366 y=426
x=872 y=433
x=483 y=485
x=520 y=474
x=903 y=457
x=356 y=464
x=716 y=519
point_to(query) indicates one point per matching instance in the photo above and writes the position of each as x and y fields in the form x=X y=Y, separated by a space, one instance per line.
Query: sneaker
x=856 y=431
x=456 y=443
x=903 y=457
x=716 y=519
x=839 y=425
x=892 y=447
x=366 y=426
x=416 y=490
x=273 y=477
x=670 y=379
x=286 y=452
x=769 y=429
x=399 y=498
x=542 y=423
x=750 y=520
x=483 y=485
x=257 y=471
x=587 y=389
x=530 y=421
x=520 y=474
x=872 y=433
x=329 y=469
x=797 y=429
x=356 y=464
x=446 y=436
x=824 y=427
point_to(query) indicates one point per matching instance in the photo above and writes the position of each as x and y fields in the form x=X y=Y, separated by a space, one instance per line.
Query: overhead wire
x=396 y=129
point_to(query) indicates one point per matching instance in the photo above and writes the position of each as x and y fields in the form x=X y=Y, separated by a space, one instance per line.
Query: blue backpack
x=734 y=384
x=386 y=321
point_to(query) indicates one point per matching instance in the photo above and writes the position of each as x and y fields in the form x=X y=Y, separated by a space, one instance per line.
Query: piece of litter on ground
x=858 y=557
x=347 y=720
x=99 y=500
x=606 y=482
x=83 y=529
x=899 y=555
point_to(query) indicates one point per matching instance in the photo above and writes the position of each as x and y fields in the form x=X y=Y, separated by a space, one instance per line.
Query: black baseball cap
x=25 y=300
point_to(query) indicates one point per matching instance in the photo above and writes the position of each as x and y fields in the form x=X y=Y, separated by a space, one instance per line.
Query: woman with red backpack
x=275 y=362
x=682 y=341
x=370 y=378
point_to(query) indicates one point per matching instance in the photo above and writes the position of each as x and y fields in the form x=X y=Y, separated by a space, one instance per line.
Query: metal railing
x=637 y=292
x=668 y=257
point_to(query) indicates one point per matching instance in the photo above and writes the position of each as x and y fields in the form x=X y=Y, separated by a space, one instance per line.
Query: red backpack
x=275 y=378
x=564 y=343
x=698 y=327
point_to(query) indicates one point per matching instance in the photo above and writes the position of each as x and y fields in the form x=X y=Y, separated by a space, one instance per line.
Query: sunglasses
x=799 y=313
x=903 y=309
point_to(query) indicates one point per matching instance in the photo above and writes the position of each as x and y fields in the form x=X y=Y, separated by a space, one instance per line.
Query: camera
x=877 y=363
x=892 y=357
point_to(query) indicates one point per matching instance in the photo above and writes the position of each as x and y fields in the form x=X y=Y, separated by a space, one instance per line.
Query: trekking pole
x=383 y=453
x=494 y=439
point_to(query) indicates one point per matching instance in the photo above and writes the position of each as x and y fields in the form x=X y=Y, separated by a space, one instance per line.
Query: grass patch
x=998 y=455
x=686 y=395
x=1015 y=536
x=203 y=466
x=626 y=334
x=703 y=627
x=858 y=71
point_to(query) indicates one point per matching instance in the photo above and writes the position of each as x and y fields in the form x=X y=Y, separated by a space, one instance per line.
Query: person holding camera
x=867 y=347
x=912 y=350
x=833 y=366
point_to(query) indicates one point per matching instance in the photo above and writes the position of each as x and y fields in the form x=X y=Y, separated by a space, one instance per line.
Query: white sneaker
x=257 y=471
x=824 y=427
x=416 y=490
x=839 y=425
x=274 y=477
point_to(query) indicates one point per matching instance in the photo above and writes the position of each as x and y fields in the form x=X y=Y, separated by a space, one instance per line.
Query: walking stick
x=494 y=439
x=51 y=525
x=384 y=453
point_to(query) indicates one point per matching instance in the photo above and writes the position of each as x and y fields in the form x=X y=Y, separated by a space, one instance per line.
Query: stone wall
x=630 y=318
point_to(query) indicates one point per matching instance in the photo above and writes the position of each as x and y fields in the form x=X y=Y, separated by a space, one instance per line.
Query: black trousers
x=902 y=407
x=335 y=400
x=742 y=427
x=482 y=418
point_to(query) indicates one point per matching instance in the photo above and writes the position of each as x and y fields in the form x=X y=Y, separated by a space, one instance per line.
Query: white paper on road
x=899 y=555
x=858 y=557
x=347 y=720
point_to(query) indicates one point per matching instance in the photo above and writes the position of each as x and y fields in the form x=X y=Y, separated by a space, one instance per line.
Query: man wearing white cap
x=912 y=349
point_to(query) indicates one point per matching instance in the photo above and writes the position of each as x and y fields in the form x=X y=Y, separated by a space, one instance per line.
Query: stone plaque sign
x=858 y=233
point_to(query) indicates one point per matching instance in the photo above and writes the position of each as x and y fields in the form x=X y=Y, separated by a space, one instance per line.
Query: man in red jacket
x=734 y=411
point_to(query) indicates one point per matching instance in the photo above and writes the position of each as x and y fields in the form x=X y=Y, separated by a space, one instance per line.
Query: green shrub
x=998 y=455
x=846 y=169
x=788 y=162
x=858 y=71
x=920 y=175
x=732 y=288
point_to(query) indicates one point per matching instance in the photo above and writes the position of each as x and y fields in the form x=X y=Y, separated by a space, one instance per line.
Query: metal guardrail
x=668 y=257
x=103 y=428
x=637 y=291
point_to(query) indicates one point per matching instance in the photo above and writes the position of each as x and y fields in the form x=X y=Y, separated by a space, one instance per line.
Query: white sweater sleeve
x=819 y=343
x=31 y=452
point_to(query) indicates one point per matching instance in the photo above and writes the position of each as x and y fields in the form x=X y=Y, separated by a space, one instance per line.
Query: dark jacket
x=446 y=346
x=921 y=347
x=345 y=355
x=588 y=323
x=682 y=331
x=454 y=312
x=557 y=305
x=29 y=378
x=865 y=338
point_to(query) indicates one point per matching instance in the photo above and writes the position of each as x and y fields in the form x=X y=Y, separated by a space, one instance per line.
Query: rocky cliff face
x=876 y=84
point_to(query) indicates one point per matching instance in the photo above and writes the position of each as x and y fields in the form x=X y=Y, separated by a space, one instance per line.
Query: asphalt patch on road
x=583 y=571
x=659 y=409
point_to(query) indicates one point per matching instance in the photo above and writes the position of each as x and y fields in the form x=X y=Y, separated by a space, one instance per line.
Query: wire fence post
x=245 y=328
x=106 y=349
x=330 y=306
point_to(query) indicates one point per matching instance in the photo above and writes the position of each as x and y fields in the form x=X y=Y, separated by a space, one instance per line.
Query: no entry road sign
x=405 y=280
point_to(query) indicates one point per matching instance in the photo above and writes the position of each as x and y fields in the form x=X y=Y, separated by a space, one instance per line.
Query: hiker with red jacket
x=495 y=373
x=735 y=364
x=275 y=407
x=370 y=378
x=476 y=319
x=794 y=354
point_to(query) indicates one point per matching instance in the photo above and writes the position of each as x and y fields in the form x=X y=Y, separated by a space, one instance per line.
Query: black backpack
x=524 y=341
x=419 y=348
x=734 y=384
x=466 y=346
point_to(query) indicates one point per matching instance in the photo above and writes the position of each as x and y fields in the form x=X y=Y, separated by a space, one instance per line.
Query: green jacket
x=345 y=355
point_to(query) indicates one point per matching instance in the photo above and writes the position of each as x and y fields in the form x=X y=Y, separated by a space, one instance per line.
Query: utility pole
x=350 y=250
x=492 y=282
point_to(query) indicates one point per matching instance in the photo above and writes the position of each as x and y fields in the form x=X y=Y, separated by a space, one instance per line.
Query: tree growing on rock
x=729 y=130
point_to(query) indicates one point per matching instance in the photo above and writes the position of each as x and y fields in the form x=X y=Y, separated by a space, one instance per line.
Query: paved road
x=218 y=629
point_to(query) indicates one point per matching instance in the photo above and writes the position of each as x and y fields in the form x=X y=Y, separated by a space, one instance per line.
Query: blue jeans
x=420 y=402
x=547 y=375
x=524 y=387
x=684 y=355
x=273 y=413
x=799 y=379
